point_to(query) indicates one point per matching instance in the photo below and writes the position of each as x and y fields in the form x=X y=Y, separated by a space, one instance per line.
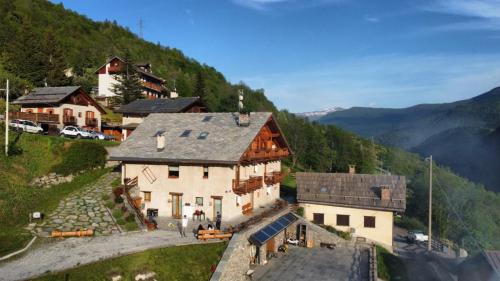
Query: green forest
x=39 y=40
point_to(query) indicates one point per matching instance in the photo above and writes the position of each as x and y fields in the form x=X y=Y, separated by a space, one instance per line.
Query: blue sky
x=313 y=54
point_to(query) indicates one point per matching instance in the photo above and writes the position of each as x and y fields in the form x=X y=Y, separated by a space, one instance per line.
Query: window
x=149 y=174
x=173 y=171
x=369 y=222
x=147 y=196
x=203 y=136
x=319 y=218
x=79 y=115
x=199 y=201
x=185 y=134
x=205 y=172
x=343 y=220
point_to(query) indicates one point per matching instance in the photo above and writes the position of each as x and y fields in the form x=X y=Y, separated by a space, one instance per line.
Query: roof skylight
x=186 y=133
x=203 y=136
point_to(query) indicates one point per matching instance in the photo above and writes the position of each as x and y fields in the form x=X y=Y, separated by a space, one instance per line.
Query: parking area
x=299 y=263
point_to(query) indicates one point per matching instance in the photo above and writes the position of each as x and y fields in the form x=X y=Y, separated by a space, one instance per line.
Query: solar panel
x=272 y=229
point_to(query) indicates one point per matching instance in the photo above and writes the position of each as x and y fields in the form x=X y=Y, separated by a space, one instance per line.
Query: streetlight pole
x=6 y=118
x=429 y=244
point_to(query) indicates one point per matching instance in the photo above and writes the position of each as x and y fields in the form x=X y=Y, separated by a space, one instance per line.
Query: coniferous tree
x=55 y=64
x=128 y=87
x=199 y=88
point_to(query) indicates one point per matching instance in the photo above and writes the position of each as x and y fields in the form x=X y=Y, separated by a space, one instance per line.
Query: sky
x=313 y=54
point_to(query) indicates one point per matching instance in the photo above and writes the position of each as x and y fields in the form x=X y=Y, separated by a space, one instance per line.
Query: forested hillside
x=38 y=39
x=459 y=134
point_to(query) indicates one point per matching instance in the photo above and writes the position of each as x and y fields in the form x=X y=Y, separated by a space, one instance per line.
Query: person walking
x=184 y=226
x=218 y=221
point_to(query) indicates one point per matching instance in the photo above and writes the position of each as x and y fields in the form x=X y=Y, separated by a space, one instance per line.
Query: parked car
x=416 y=236
x=26 y=126
x=74 y=132
x=97 y=135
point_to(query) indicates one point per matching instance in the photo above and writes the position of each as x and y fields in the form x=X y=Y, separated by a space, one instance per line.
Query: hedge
x=80 y=156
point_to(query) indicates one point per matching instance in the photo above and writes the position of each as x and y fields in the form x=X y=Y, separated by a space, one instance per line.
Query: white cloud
x=267 y=4
x=386 y=81
x=371 y=19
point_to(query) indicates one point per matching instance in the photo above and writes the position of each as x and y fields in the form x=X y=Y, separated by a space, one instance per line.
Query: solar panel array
x=262 y=236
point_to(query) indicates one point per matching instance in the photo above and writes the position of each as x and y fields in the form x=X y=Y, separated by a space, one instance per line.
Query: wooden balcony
x=247 y=186
x=35 y=117
x=91 y=122
x=69 y=120
x=260 y=155
x=274 y=178
x=152 y=86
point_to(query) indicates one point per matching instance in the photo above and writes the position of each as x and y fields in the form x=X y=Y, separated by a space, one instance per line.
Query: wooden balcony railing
x=69 y=120
x=130 y=183
x=35 y=117
x=267 y=154
x=247 y=186
x=273 y=178
x=91 y=122
x=152 y=86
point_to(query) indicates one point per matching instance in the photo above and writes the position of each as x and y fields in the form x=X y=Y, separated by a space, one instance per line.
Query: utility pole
x=6 y=118
x=429 y=244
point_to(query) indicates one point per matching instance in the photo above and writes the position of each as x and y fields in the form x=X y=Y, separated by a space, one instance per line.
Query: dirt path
x=78 y=251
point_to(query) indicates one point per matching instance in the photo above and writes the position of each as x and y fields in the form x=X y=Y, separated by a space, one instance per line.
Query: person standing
x=218 y=221
x=184 y=226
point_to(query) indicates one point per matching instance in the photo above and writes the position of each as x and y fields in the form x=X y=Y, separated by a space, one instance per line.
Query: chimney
x=385 y=193
x=160 y=140
x=352 y=169
x=243 y=119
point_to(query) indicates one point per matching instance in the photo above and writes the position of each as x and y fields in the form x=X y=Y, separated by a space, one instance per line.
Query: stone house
x=210 y=162
x=59 y=107
x=361 y=204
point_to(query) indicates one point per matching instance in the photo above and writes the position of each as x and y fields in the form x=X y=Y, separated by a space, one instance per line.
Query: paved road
x=72 y=252
x=340 y=264
x=420 y=266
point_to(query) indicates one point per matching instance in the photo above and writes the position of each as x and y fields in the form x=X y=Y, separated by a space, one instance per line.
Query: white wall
x=192 y=184
x=77 y=109
x=106 y=82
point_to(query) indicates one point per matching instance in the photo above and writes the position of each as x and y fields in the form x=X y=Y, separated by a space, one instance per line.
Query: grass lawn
x=111 y=116
x=12 y=234
x=390 y=267
x=192 y=262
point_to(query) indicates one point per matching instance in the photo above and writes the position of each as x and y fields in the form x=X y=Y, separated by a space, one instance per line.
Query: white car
x=417 y=236
x=74 y=132
x=96 y=135
x=26 y=126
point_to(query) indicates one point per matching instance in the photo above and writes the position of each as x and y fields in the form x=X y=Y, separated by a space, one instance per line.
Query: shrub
x=116 y=182
x=300 y=211
x=409 y=223
x=118 y=200
x=117 y=213
x=129 y=226
x=130 y=218
x=109 y=204
x=342 y=234
x=120 y=221
x=117 y=191
x=80 y=156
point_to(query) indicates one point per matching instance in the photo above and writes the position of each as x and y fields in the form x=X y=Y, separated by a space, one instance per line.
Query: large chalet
x=182 y=163
x=153 y=86
x=59 y=107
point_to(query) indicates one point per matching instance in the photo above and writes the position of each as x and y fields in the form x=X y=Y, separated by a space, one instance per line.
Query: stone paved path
x=83 y=209
x=72 y=252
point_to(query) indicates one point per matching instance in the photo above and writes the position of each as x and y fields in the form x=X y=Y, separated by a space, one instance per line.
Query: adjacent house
x=59 y=107
x=153 y=85
x=482 y=266
x=135 y=112
x=204 y=162
x=357 y=203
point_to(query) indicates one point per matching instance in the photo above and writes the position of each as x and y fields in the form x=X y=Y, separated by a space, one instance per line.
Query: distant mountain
x=314 y=115
x=462 y=135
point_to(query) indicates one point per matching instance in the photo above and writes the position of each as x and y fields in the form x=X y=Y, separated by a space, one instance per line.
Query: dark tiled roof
x=225 y=141
x=146 y=106
x=47 y=95
x=352 y=190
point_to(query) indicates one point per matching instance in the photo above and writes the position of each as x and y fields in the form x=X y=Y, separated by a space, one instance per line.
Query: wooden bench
x=247 y=208
x=212 y=234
